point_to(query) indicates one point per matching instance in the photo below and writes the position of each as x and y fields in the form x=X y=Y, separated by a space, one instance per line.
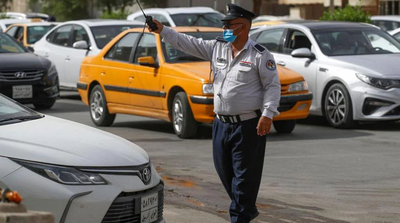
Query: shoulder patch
x=259 y=48
x=271 y=65
x=221 y=39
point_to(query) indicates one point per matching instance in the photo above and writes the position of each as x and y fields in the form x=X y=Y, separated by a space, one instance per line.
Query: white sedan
x=351 y=68
x=68 y=43
x=76 y=172
x=395 y=33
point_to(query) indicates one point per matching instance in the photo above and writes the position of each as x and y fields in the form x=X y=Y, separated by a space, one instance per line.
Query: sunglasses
x=227 y=24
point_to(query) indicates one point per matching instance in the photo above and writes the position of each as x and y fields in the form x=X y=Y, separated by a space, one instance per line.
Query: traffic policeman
x=246 y=97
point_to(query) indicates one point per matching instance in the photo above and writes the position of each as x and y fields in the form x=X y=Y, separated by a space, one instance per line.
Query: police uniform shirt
x=242 y=84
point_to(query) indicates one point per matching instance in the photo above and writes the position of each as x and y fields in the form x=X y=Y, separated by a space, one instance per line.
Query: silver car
x=351 y=68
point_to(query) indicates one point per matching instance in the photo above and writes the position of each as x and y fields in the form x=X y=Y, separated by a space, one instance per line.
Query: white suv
x=193 y=16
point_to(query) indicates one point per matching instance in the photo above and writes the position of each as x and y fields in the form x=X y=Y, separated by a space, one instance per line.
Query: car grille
x=9 y=76
x=126 y=207
x=286 y=106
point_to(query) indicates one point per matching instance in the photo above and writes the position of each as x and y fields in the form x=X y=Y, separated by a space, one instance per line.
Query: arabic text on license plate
x=22 y=91
x=149 y=207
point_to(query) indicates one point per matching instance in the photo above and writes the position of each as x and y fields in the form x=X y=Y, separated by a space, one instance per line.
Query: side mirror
x=303 y=53
x=147 y=61
x=82 y=44
x=31 y=49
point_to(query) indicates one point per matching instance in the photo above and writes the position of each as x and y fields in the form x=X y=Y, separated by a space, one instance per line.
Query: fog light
x=372 y=104
x=302 y=107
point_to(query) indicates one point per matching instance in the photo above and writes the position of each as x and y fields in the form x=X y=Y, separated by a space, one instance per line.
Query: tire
x=47 y=104
x=338 y=109
x=98 y=108
x=183 y=122
x=285 y=126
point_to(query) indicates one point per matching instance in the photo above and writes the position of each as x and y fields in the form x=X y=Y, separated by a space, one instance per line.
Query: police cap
x=235 y=11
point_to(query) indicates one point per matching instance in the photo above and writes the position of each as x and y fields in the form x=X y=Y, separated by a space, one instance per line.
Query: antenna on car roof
x=149 y=19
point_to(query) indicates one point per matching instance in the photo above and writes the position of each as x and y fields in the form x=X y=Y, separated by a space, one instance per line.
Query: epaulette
x=221 y=39
x=259 y=48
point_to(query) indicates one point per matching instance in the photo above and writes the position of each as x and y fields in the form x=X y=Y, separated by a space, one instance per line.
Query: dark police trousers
x=239 y=158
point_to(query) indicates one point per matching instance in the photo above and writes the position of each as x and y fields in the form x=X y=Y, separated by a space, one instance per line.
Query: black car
x=26 y=77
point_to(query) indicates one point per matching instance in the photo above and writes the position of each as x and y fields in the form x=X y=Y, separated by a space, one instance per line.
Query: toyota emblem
x=20 y=74
x=146 y=175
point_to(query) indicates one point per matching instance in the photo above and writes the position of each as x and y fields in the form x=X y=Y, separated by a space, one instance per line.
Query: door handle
x=67 y=58
x=131 y=79
x=281 y=63
x=46 y=55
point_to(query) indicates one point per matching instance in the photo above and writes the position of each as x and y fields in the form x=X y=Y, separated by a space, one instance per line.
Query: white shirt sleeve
x=188 y=44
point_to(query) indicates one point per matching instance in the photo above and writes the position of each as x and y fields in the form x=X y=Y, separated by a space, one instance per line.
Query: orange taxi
x=29 y=33
x=138 y=74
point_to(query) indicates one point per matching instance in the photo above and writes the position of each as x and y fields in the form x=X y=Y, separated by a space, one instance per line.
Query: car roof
x=13 y=21
x=386 y=17
x=105 y=22
x=191 y=29
x=319 y=25
x=181 y=10
x=38 y=24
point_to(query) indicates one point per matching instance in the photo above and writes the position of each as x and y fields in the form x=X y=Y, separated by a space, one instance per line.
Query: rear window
x=35 y=33
x=198 y=19
x=104 y=34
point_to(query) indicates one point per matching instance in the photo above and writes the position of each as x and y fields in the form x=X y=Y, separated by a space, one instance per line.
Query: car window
x=356 y=42
x=270 y=39
x=35 y=33
x=104 y=34
x=397 y=36
x=8 y=45
x=19 y=35
x=198 y=19
x=146 y=47
x=161 y=19
x=296 y=40
x=79 y=33
x=61 y=35
x=173 y=55
x=12 y=31
x=140 y=18
x=386 y=25
x=122 y=50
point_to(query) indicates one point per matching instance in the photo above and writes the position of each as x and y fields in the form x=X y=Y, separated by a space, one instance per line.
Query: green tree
x=65 y=10
x=4 y=7
x=348 y=13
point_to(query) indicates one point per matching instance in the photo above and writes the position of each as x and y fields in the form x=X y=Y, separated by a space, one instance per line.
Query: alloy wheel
x=178 y=115
x=96 y=106
x=336 y=106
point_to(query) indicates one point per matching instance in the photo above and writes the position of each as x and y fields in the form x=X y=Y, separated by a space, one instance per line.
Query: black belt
x=238 y=118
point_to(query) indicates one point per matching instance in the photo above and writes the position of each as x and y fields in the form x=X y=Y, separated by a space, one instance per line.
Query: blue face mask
x=228 y=35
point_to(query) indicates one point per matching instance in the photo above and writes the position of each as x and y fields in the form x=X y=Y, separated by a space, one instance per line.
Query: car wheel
x=337 y=107
x=98 y=108
x=185 y=126
x=44 y=104
x=284 y=126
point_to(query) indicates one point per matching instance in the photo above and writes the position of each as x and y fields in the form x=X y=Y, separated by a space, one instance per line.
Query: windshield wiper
x=22 y=118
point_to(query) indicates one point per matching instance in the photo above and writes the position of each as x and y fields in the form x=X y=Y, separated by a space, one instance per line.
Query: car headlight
x=63 y=175
x=52 y=70
x=208 y=89
x=379 y=82
x=298 y=86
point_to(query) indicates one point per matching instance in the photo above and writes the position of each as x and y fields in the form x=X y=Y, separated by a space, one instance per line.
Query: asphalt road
x=316 y=174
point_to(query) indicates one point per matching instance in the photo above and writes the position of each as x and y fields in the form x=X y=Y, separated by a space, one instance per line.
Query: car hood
x=22 y=61
x=287 y=76
x=62 y=142
x=383 y=65
x=195 y=69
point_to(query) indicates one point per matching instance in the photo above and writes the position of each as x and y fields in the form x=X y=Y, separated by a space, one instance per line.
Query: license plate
x=22 y=91
x=149 y=208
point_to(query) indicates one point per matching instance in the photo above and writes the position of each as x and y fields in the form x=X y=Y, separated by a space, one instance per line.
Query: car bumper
x=41 y=89
x=89 y=204
x=202 y=108
x=374 y=104
x=293 y=107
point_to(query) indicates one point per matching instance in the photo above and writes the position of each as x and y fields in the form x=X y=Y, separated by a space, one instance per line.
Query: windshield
x=35 y=33
x=199 y=19
x=10 y=109
x=173 y=55
x=104 y=34
x=8 y=45
x=356 y=42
